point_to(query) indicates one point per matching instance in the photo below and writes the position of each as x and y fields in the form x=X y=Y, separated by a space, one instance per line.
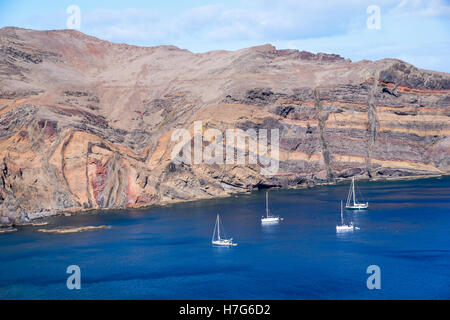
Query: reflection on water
x=269 y=230
x=166 y=252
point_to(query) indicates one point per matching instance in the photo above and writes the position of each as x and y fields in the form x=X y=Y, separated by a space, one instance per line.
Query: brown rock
x=87 y=124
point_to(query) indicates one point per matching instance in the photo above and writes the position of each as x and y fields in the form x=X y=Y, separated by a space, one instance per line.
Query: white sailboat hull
x=271 y=220
x=357 y=206
x=224 y=243
x=345 y=228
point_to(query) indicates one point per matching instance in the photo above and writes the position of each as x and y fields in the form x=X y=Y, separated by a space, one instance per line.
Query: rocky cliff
x=87 y=124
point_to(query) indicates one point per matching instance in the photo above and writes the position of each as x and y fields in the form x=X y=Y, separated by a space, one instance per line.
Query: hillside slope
x=87 y=124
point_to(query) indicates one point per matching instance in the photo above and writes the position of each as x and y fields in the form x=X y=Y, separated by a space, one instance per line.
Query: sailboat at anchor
x=269 y=218
x=344 y=227
x=352 y=203
x=217 y=238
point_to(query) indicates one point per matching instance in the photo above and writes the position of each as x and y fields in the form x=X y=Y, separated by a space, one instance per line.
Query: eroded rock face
x=87 y=124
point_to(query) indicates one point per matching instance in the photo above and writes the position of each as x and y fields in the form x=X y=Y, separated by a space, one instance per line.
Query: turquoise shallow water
x=165 y=252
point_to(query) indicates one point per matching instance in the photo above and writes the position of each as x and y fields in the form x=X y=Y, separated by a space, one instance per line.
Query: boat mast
x=215 y=227
x=342 y=215
x=349 y=196
x=353 y=190
x=267 y=204
x=218 y=227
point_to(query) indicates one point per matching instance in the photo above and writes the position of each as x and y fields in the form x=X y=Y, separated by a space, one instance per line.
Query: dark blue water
x=165 y=252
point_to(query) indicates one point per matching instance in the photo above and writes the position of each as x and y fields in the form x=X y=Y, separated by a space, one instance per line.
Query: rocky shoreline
x=65 y=230
x=8 y=230
x=14 y=227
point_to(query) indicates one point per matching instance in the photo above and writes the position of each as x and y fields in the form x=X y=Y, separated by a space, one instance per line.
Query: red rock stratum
x=87 y=124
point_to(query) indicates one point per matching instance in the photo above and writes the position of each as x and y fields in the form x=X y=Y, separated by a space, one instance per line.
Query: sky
x=416 y=31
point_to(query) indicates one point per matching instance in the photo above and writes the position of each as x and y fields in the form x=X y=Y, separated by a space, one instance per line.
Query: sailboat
x=352 y=203
x=344 y=227
x=217 y=240
x=268 y=218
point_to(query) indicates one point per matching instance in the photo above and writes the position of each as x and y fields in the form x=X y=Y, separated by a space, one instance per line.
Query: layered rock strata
x=87 y=124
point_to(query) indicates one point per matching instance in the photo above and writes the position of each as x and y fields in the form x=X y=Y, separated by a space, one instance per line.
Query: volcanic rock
x=86 y=124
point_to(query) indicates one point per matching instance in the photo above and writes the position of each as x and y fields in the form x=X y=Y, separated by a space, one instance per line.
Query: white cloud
x=254 y=20
x=430 y=8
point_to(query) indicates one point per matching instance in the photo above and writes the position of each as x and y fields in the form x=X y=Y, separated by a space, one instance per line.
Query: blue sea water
x=166 y=253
